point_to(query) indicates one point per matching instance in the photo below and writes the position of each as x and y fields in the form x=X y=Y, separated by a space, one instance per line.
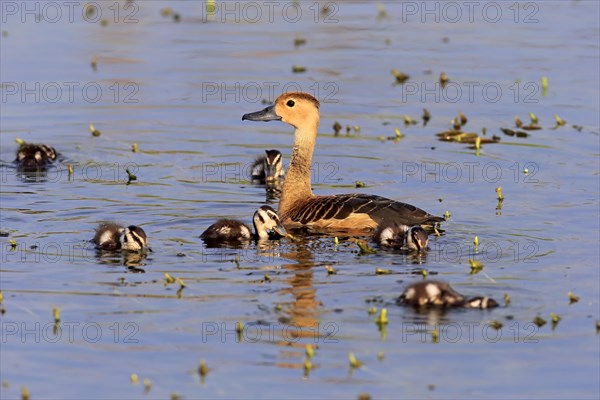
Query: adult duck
x=299 y=208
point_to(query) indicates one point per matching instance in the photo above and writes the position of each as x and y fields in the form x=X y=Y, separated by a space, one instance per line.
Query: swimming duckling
x=440 y=294
x=400 y=236
x=266 y=226
x=268 y=168
x=108 y=237
x=35 y=155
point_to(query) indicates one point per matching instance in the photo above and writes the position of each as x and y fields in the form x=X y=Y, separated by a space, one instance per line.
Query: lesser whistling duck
x=327 y=214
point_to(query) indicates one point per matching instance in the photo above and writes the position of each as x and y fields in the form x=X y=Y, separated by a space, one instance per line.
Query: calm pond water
x=179 y=88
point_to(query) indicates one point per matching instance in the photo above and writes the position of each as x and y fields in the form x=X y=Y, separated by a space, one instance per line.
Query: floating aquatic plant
x=506 y=299
x=307 y=367
x=13 y=243
x=298 y=69
x=444 y=79
x=267 y=278
x=56 y=314
x=134 y=379
x=299 y=41
x=462 y=118
x=496 y=324
x=354 y=362
x=24 y=393
x=539 y=321
x=130 y=177
x=424 y=273
x=573 y=298
x=426 y=116
x=544 y=80
x=382 y=317
x=372 y=310
x=447 y=215
x=409 y=121
x=475 y=241
x=134 y=147
x=168 y=279
x=401 y=77
x=20 y=141
x=309 y=351
x=499 y=193
x=382 y=271
x=559 y=121
x=95 y=132
x=359 y=184
x=203 y=369
x=435 y=336
x=380 y=355
x=337 y=127
x=476 y=266
x=363 y=246
x=555 y=320
x=534 y=119
x=330 y=270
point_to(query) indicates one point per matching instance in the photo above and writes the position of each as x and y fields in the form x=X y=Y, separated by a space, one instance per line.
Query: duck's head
x=295 y=108
x=273 y=165
x=267 y=224
x=134 y=239
x=417 y=238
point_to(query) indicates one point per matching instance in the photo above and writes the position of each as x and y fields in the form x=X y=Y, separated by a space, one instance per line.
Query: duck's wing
x=359 y=211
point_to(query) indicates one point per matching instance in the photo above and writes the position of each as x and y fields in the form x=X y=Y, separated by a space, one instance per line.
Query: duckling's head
x=416 y=238
x=267 y=224
x=481 y=302
x=273 y=165
x=134 y=239
x=295 y=108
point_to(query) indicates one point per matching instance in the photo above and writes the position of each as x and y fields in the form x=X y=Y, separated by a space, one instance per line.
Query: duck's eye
x=290 y=103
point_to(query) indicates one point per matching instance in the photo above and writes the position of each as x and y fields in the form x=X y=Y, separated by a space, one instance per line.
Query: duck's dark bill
x=268 y=114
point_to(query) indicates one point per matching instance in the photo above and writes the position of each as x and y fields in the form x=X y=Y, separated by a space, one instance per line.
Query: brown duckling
x=268 y=168
x=404 y=237
x=440 y=294
x=266 y=226
x=108 y=237
x=34 y=155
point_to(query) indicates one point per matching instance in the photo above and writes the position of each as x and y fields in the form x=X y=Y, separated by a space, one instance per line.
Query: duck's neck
x=296 y=187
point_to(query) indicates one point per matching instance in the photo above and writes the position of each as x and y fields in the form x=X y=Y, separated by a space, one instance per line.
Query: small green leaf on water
x=299 y=41
x=354 y=362
x=165 y=12
x=70 y=169
x=1 y=297
x=239 y=327
x=476 y=241
x=19 y=141
x=180 y=282
x=499 y=193
x=380 y=355
x=444 y=79
x=13 y=243
x=134 y=148
x=573 y=298
x=267 y=278
x=130 y=176
x=426 y=116
x=356 y=129
x=337 y=127
x=134 y=379
x=408 y=120
x=382 y=317
x=94 y=131
x=372 y=310
x=518 y=122
x=476 y=266
x=534 y=119
x=363 y=246
x=544 y=85
x=554 y=317
x=401 y=77
x=424 y=273
x=307 y=366
x=478 y=143
x=496 y=324
x=435 y=336
x=359 y=184
x=24 y=393
x=310 y=351
x=168 y=279
x=559 y=121
x=399 y=135
x=203 y=368
x=539 y=321
x=526 y=171
x=297 y=69
x=336 y=241
x=447 y=215
x=147 y=384
x=56 y=314
x=382 y=271
x=506 y=299
x=330 y=270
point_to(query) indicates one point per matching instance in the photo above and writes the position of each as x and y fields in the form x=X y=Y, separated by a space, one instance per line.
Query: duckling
x=440 y=294
x=300 y=208
x=108 y=237
x=268 y=168
x=400 y=236
x=266 y=226
x=34 y=155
